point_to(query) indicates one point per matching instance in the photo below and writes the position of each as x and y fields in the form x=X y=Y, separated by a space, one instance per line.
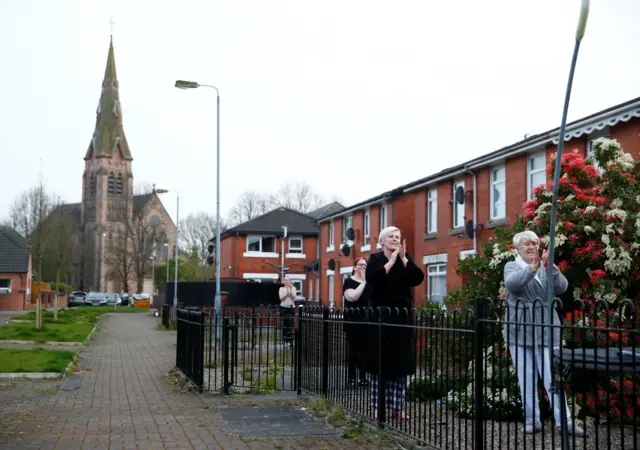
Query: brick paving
x=123 y=401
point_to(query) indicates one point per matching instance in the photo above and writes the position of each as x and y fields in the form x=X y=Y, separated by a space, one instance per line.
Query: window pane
x=537 y=179
x=498 y=174
x=253 y=244
x=537 y=162
x=437 y=286
x=269 y=244
x=499 y=200
x=295 y=245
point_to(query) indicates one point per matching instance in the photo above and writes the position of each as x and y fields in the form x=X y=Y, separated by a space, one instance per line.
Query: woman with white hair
x=391 y=274
x=527 y=327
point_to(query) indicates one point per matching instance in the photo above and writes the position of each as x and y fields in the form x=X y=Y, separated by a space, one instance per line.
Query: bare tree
x=28 y=213
x=143 y=234
x=62 y=243
x=299 y=197
x=196 y=231
x=120 y=257
x=250 y=205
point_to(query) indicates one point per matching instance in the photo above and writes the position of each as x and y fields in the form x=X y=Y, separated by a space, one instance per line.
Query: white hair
x=386 y=231
x=526 y=235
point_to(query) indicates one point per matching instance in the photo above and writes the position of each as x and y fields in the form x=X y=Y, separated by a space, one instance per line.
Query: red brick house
x=15 y=270
x=494 y=188
x=256 y=249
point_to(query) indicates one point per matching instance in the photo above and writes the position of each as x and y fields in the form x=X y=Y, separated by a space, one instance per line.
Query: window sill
x=330 y=248
x=456 y=231
x=295 y=255
x=496 y=223
x=260 y=255
x=432 y=235
x=365 y=248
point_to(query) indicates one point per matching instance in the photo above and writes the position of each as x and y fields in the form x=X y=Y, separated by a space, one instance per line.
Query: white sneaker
x=573 y=430
x=530 y=429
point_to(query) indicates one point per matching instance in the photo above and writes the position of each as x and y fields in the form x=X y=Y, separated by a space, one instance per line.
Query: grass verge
x=34 y=360
x=73 y=325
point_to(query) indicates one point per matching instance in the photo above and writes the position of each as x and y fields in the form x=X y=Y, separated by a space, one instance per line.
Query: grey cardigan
x=527 y=305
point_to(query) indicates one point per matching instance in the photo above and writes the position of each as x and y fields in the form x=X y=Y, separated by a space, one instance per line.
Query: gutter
x=383 y=199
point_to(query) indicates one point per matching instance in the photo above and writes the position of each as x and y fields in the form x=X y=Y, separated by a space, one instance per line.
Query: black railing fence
x=447 y=379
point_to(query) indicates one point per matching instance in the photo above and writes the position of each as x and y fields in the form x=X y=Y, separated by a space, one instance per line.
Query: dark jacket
x=392 y=303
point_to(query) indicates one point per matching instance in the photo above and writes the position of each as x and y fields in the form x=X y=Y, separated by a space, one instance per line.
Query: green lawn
x=73 y=325
x=35 y=360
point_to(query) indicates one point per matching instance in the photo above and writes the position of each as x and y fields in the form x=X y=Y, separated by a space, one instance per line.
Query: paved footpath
x=123 y=401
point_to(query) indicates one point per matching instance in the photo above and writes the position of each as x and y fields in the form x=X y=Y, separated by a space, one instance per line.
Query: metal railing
x=447 y=379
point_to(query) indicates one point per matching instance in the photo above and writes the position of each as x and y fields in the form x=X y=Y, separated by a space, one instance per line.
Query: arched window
x=111 y=184
x=119 y=186
x=92 y=186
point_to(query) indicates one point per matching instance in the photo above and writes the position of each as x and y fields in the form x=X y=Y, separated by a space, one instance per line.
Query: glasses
x=361 y=265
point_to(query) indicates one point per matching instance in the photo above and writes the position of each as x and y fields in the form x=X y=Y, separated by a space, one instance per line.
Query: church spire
x=108 y=136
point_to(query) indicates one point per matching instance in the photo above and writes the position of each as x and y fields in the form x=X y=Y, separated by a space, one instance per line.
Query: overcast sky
x=353 y=97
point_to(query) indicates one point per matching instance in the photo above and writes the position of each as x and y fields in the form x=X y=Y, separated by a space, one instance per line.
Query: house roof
x=325 y=210
x=273 y=221
x=14 y=251
x=609 y=117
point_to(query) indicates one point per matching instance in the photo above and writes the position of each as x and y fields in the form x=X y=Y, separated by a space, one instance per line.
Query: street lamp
x=168 y=258
x=181 y=84
x=101 y=262
x=153 y=274
x=175 y=285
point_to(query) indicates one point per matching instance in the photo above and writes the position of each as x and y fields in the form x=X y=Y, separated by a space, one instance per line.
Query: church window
x=111 y=183
x=92 y=186
x=119 y=184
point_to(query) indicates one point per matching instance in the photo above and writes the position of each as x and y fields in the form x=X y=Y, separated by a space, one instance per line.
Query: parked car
x=77 y=298
x=95 y=299
x=113 y=299
x=124 y=297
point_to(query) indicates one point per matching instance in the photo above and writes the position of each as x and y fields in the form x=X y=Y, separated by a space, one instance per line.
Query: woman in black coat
x=391 y=274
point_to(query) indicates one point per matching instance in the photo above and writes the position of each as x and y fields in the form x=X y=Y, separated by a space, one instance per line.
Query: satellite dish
x=332 y=264
x=350 y=234
x=346 y=249
x=210 y=260
x=210 y=248
x=459 y=197
x=469 y=229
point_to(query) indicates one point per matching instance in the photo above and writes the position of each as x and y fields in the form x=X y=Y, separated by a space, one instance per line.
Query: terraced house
x=447 y=215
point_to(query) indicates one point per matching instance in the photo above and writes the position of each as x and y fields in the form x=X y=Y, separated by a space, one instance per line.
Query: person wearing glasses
x=356 y=301
x=391 y=273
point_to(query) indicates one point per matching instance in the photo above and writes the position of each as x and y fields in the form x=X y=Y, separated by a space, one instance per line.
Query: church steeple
x=108 y=136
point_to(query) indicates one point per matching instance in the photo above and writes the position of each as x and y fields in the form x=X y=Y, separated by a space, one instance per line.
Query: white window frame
x=366 y=231
x=295 y=252
x=331 y=248
x=590 y=152
x=384 y=220
x=260 y=253
x=532 y=172
x=432 y=210
x=347 y=223
x=458 y=209
x=298 y=284
x=437 y=273
x=331 y=289
x=493 y=203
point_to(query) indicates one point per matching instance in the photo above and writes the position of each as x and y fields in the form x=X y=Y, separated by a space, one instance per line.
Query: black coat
x=392 y=303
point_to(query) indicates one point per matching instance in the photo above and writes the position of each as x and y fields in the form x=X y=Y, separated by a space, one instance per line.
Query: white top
x=287 y=296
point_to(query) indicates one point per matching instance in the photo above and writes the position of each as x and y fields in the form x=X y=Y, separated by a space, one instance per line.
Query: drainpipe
x=235 y=257
x=475 y=210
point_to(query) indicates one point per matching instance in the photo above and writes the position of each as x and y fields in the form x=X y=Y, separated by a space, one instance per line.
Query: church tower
x=107 y=184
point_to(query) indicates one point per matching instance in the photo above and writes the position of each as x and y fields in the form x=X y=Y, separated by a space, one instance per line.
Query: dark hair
x=355 y=263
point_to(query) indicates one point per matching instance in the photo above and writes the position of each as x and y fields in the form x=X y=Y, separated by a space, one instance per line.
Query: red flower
x=563 y=266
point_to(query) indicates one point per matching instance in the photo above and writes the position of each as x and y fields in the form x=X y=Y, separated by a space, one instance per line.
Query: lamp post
x=101 y=262
x=153 y=275
x=180 y=84
x=175 y=285
x=167 y=259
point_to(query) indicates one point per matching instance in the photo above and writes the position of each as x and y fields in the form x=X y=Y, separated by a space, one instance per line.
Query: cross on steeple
x=112 y=23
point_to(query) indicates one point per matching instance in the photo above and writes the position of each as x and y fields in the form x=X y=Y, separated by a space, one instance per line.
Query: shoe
x=401 y=415
x=530 y=429
x=573 y=430
x=352 y=384
x=363 y=383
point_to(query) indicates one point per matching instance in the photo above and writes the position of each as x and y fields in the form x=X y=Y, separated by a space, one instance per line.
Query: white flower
x=588 y=229
x=577 y=293
x=569 y=197
x=616 y=203
x=605 y=239
x=638 y=199
x=589 y=209
x=610 y=228
x=617 y=213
